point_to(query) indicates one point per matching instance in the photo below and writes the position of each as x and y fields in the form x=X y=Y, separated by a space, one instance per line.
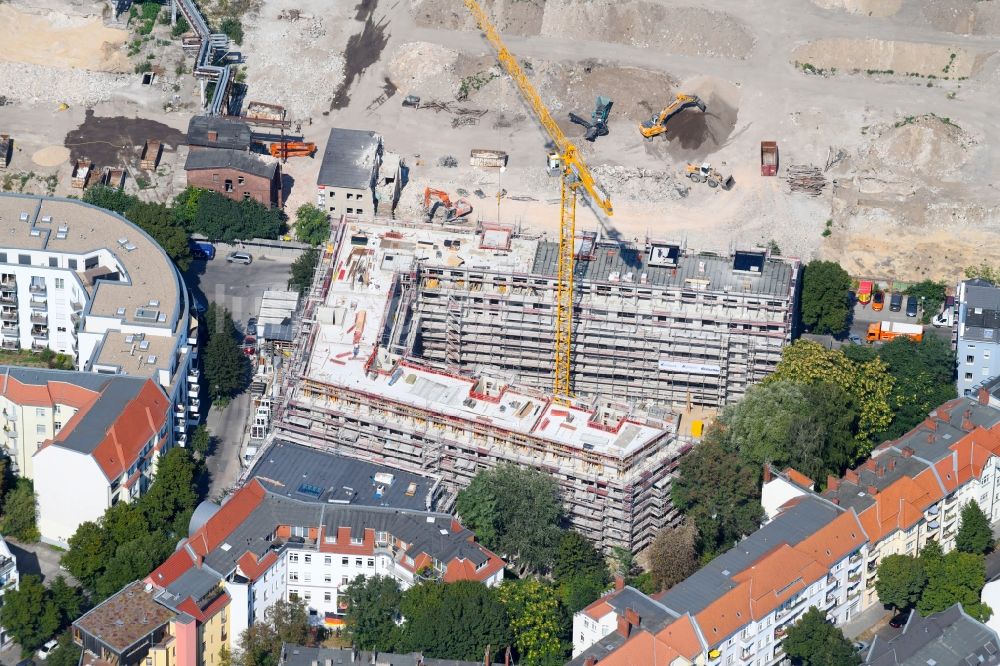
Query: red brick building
x=236 y=174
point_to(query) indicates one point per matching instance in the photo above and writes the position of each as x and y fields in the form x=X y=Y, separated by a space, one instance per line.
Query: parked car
x=945 y=318
x=878 y=301
x=896 y=302
x=911 y=306
x=899 y=620
x=239 y=258
x=252 y=326
x=202 y=250
x=854 y=339
x=46 y=650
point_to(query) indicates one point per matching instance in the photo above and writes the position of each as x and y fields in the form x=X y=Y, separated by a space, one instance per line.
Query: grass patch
x=472 y=83
x=43 y=359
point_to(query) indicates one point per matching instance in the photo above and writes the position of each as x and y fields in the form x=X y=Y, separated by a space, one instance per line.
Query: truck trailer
x=887 y=330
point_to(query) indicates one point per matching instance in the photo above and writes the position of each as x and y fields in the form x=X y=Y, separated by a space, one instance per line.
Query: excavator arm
x=658 y=123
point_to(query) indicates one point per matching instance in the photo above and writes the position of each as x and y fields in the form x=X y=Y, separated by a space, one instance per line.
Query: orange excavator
x=438 y=200
x=292 y=149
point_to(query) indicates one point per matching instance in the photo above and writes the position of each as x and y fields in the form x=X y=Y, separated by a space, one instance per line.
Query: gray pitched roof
x=231 y=133
x=116 y=391
x=218 y=158
x=349 y=159
x=312 y=475
x=948 y=638
x=297 y=655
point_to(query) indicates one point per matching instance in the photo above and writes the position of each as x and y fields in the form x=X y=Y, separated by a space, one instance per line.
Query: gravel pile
x=638 y=184
x=76 y=87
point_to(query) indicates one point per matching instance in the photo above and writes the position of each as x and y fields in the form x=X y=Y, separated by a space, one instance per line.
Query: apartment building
x=262 y=546
x=86 y=282
x=815 y=549
x=348 y=173
x=977 y=304
x=948 y=638
x=10 y=579
x=298 y=655
x=88 y=441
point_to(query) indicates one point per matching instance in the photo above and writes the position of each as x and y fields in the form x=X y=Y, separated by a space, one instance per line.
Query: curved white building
x=83 y=281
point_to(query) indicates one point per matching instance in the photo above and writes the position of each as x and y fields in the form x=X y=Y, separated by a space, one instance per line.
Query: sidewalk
x=865 y=621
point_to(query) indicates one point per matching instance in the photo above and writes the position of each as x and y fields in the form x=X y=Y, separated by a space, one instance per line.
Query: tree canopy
x=673 y=555
x=923 y=377
x=931 y=295
x=813 y=641
x=226 y=368
x=220 y=218
x=825 y=300
x=303 y=269
x=719 y=491
x=33 y=614
x=312 y=225
x=260 y=643
x=20 y=512
x=453 y=620
x=373 y=606
x=540 y=625
x=515 y=511
x=901 y=580
x=974 y=532
x=955 y=578
x=580 y=571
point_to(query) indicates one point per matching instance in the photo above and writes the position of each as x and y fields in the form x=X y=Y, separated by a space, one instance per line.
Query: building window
x=57 y=426
x=39 y=412
x=246 y=196
x=228 y=185
x=300 y=532
x=371 y=562
x=970 y=358
x=327 y=597
x=293 y=576
x=215 y=177
x=293 y=594
x=327 y=560
x=71 y=263
x=327 y=578
x=330 y=539
x=357 y=541
x=350 y=210
x=53 y=262
x=345 y=561
x=24 y=259
x=308 y=558
x=241 y=180
x=3 y=257
x=381 y=537
x=986 y=354
x=60 y=283
x=357 y=561
x=307 y=595
x=343 y=580
x=968 y=375
x=293 y=557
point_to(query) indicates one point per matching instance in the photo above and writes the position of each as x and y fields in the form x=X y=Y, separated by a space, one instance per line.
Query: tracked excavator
x=438 y=201
x=598 y=124
x=657 y=125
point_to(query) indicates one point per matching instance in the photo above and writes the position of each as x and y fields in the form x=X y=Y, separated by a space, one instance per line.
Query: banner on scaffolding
x=691 y=368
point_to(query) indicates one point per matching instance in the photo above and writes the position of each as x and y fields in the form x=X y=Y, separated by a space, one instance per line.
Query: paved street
x=239 y=289
x=865 y=315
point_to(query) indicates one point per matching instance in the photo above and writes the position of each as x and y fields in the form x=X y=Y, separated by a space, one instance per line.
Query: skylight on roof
x=225 y=547
x=310 y=490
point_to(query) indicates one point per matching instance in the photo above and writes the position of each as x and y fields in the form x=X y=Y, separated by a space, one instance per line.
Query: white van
x=945 y=318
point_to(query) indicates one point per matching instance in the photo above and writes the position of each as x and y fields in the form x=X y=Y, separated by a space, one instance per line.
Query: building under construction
x=430 y=349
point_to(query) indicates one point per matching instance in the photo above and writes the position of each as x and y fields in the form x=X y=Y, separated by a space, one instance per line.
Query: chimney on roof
x=891 y=464
x=832 y=482
x=213 y=135
x=836 y=500
x=930 y=423
x=872 y=490
x=984 y=396
x=870 y=464
x=851 y=475
x=907 y=452
x=591 y=661
x=767 y=473
x=967 y=420
x=619 y=583
x=879 y=471
x=931 y=438
x=627 y=622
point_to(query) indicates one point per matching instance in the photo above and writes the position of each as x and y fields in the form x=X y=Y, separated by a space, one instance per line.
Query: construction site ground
x=893 y=101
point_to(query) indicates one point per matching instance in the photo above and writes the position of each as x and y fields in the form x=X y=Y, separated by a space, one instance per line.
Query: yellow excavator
x=657 y=125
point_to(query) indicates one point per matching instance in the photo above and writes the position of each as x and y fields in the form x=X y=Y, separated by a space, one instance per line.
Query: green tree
x=673 y=555
x=580 y=571
x=233 y=29
x=955 y=578
x=453 y=620
x=516 y=511
x=185 y=206
x=303 y=269
x=20 y=512
x=172 y=499
x=974 y=533
x=226 y=368
x=66 y=653
x=68 y=600
x=311 y=224
x=812 y=641
x=923 y=377
x=260 y=644
x=110 y=198
x=901 y=580
x=88 y=547
x=158 y=221
x=539 y=623
x=373 y=606
x=931 y=296
x=825 y=301
x=201 y=441
x=220 y=218
x=28 y=615
x=719 y=492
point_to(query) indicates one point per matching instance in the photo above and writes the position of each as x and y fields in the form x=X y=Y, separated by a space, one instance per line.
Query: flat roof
x=313 y=475
x=125 y=618
x=148 y=274
x=139 y=357
x=349 y=159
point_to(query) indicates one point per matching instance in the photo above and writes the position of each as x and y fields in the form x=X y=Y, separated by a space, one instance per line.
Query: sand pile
x=679 y=30
x=59 y=40
x=915 y=152
x=965 y=17
x=51 y=156
x=873 y=8
x=876 y=54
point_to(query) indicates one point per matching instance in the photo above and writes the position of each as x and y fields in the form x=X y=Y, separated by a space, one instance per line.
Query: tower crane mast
x=574 y=175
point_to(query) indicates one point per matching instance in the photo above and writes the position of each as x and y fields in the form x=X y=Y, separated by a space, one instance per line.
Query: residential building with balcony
x=87 y=441
x=977 y=305
x=86 y=282
x=10 y=579
x=261 y=546
x=815 y=549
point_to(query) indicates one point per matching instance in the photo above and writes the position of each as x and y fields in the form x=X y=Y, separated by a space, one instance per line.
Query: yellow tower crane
x=575 y=175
